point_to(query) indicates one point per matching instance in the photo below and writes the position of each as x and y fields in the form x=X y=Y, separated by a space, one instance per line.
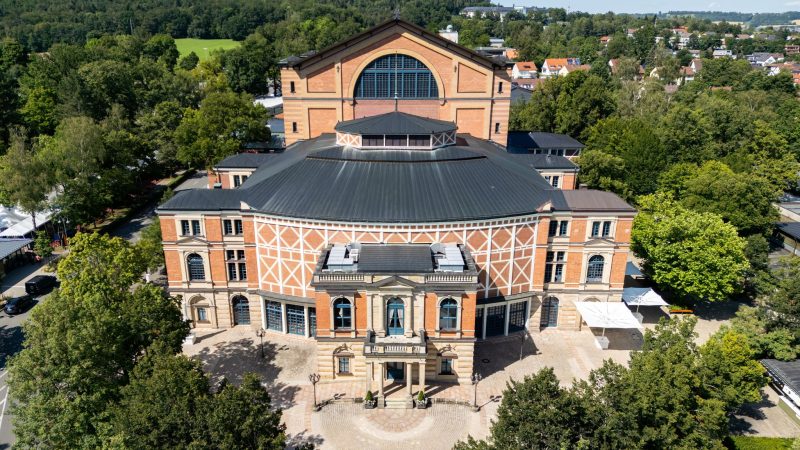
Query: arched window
x=342 y=314
x=196 y=270
x=399 y=75
x=448 y=314
x=549 y=312
x=595 y=270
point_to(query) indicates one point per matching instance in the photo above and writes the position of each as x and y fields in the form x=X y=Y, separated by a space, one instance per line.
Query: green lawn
x=758 y=443
x=203 y=47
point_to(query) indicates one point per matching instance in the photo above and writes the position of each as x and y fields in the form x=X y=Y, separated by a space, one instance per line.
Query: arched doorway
x=394 y=316
x=241 y=310
x=549 y=313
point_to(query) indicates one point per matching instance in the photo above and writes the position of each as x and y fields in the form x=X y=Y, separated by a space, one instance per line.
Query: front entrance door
x=394 y=317
x=241 y=311
x=394 y=371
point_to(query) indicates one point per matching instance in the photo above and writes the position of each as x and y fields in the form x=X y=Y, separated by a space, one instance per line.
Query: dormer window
x=396 y=130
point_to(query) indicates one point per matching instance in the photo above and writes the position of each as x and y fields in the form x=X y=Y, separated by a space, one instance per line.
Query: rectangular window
x=500 y=87
x=236 y=181
x=399 y=140
x=240 y=255
x=497 y=127
x=196 y=227
x=595 y=229
x=232 y=271
x=243 y=271
x=419 y=140
x=447 y=366
x=227 y=227
x=274 y=316
x=344 y=365
x=184 y=227
x=562 y=230
x=606 y=229
x=237 y=227
x=554 y=267
x=296 y=320
x=553 y=228
x=291 y=87
x=201 y=315
x=244 y=178
x=369 y=140
x=294 y=127
x=230 y=255
x=554 y=181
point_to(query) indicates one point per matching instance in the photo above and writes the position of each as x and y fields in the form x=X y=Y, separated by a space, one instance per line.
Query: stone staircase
x=399 y=403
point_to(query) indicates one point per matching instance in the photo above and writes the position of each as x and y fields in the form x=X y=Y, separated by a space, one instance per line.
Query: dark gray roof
x=9 y=246
x=589 y=200
x=787 y=372
x=245 y=160
x=317 y=180
x=790 y=228
x=520 y=94
x=395 y=259
x=395 y=122
x=536 y=139
x=544 y=162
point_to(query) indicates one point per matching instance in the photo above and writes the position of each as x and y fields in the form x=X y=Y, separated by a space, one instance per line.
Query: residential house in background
x=761 y=59
x=552 y=66
x=524 y=73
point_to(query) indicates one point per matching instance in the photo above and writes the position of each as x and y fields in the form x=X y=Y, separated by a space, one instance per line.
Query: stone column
x=370 y=311
x=380 y=326
x=408 y=312
x=380 y=381
x=263 y=313
x=422 y=376
x=284 y=322
x=370 y=368
x=505 y=326
x=306 y=321
x=409 y=385
x=485 y=314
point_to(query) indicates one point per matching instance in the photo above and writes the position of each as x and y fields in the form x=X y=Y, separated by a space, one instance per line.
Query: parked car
x=40 y=284
x=18 y=304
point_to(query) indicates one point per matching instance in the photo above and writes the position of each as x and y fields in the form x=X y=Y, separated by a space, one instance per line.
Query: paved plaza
x=341 y=423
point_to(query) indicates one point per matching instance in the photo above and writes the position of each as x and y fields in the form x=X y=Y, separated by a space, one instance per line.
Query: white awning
x=24 y=225
x=642 y=296
x=607 y=315
x=632 y=271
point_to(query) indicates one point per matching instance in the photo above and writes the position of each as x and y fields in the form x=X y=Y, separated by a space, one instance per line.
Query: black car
x=40 y=284
x=18 y=305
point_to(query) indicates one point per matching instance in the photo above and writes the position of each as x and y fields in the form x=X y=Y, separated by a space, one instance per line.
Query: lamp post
x=314 y=379
x=476 y=378
x=260 y=333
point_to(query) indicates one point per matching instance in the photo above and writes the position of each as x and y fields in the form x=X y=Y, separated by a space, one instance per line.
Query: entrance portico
x=389 y=370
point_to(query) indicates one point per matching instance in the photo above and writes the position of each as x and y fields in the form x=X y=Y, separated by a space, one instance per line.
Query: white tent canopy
x=642 y=296
x=19 y=224
x=607 y=315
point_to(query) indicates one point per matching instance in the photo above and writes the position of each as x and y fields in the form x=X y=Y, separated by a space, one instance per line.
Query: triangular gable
x=192 y=240
x=395 y=281
x=315 y=57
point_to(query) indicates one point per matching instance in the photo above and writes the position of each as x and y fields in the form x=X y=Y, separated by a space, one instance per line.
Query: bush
x=757 y=443
x=369 y=397
x=421 y=396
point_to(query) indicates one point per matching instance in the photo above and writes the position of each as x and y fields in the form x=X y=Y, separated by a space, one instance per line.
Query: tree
x=729 y=371
x=218 y=129
x=163 y=405
x=41 y=245
x=83 y=342
x=563 y=418
x=150 y=247
x=189 y=61
x=248 y=66
x=599 y=170
x=161 y=47
x=697 y=256
x=25 y=181
x=242 y=418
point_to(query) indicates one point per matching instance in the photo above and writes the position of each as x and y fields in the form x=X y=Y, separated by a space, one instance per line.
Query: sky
x=650 y=6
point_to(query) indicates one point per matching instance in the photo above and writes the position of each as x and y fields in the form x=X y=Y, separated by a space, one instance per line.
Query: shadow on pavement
x=11 y=338
x=303 y=440
x=231 y=360
x=495 y=354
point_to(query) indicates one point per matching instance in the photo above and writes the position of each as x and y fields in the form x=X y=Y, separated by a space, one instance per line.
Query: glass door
x=394 y=317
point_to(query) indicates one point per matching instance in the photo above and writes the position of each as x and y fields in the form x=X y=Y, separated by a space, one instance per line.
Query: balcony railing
x=340 y=277
x=416 y=346
x=450 y=278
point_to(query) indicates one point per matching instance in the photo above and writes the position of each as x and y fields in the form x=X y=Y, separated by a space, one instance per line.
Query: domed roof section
x=395 y=122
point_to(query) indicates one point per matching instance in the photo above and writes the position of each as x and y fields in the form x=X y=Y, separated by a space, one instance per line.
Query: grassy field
x=203 y=47
x=758 y=443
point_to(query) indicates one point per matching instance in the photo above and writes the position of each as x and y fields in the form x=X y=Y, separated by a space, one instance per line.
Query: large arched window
x=399 y=75
x=595 y=270
x=342 y=314
x=448 y=314
x=196 y=270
